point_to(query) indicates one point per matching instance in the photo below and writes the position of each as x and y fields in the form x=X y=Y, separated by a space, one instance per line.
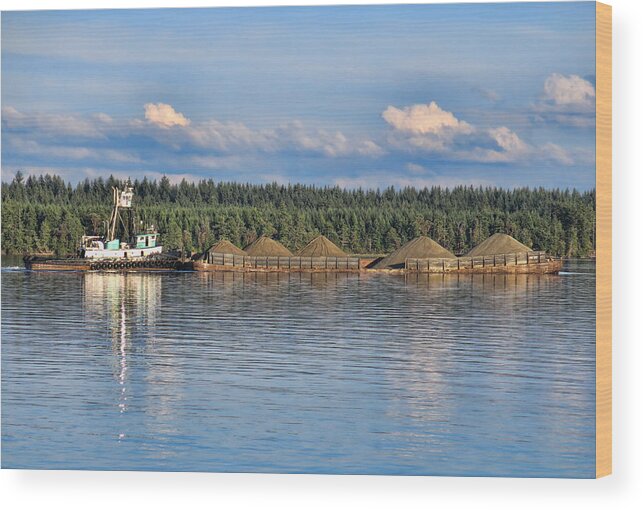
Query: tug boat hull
x=85 y=264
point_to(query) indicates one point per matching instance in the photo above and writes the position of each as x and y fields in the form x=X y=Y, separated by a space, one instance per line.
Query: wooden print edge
x=603 y=240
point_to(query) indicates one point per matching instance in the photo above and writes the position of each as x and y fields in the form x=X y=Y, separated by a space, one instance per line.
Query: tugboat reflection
x=127 y=303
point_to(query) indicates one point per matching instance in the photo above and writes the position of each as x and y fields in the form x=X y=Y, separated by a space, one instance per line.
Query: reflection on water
x=127 y=303
x=337 y=373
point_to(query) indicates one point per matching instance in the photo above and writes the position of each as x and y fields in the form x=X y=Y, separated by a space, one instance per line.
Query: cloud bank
x=428 y=129
x=163 y=137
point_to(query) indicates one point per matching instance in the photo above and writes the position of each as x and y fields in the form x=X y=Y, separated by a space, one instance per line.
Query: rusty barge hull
x=204 y=266
x=534 y=262
x=516 y=263
x=551 y=267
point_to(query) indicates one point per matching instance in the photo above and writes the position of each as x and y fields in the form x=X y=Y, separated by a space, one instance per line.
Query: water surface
x=378 y=374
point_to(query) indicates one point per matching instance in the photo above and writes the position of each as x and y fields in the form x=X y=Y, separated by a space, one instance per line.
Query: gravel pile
x=266 y=247
x=419 y=248
x=498 y=244
x=321 y=246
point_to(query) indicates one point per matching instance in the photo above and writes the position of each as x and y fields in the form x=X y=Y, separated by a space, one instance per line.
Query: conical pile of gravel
x=498 y=244
x=321 y=246
x=225 y=246
x=266 y=247
x=419 y=248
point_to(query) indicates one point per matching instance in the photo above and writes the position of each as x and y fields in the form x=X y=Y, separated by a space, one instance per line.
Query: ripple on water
x=473 y=375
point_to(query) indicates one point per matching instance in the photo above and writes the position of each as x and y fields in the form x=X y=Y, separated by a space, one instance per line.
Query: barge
x=273 y=264
x=510 y=263
x=537 y=262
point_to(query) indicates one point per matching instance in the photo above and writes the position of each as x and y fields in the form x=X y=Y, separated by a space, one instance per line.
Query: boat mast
x=114 y=217
x=122 y=199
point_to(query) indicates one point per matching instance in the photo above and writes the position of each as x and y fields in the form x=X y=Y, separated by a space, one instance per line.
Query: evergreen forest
x=45 y=214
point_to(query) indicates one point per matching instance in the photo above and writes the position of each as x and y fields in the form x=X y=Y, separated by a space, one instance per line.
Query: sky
x=356 y=96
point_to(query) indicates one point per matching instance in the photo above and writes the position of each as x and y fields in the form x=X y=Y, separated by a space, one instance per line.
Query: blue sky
x=371 y=96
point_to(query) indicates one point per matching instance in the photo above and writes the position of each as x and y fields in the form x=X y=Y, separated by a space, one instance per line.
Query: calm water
x=299 y=373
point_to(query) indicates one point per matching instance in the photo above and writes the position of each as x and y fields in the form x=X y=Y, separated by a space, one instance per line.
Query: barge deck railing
x=454 y=264
x=285 y=263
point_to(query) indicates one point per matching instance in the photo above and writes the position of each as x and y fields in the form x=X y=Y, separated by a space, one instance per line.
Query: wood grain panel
x=603 y=239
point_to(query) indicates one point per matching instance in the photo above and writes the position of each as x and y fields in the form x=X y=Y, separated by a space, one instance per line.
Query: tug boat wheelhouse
x=109 y=252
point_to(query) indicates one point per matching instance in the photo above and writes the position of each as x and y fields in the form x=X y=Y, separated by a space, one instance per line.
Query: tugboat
x=110 y=253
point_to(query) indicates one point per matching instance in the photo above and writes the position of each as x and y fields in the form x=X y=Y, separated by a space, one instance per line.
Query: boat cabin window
x=145 y=241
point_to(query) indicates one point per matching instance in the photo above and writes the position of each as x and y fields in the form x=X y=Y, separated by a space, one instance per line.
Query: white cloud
x=508 y=141
x=52 y=125
x=574 y=119
x=369 y=148
x=328 y=143
x=30 y=147
x=488 y=94
x=512 y=149
x=24 y=146
x=294 y=136
x=426 y=119
x=416 y=169
x=569 y=90
x=424 y=127
x=568 y=100
x=164 y=115
x=103 y=118
x=227 y=137
x=11 y=115
x=556 y=153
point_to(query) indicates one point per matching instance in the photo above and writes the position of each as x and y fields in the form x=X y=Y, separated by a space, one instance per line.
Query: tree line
x=47 y=214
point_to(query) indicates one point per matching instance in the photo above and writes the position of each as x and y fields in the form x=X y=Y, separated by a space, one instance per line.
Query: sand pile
x=498 y=244
x=321 y=246
x=419 y=248
x=266 y=247
x=225 y=246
